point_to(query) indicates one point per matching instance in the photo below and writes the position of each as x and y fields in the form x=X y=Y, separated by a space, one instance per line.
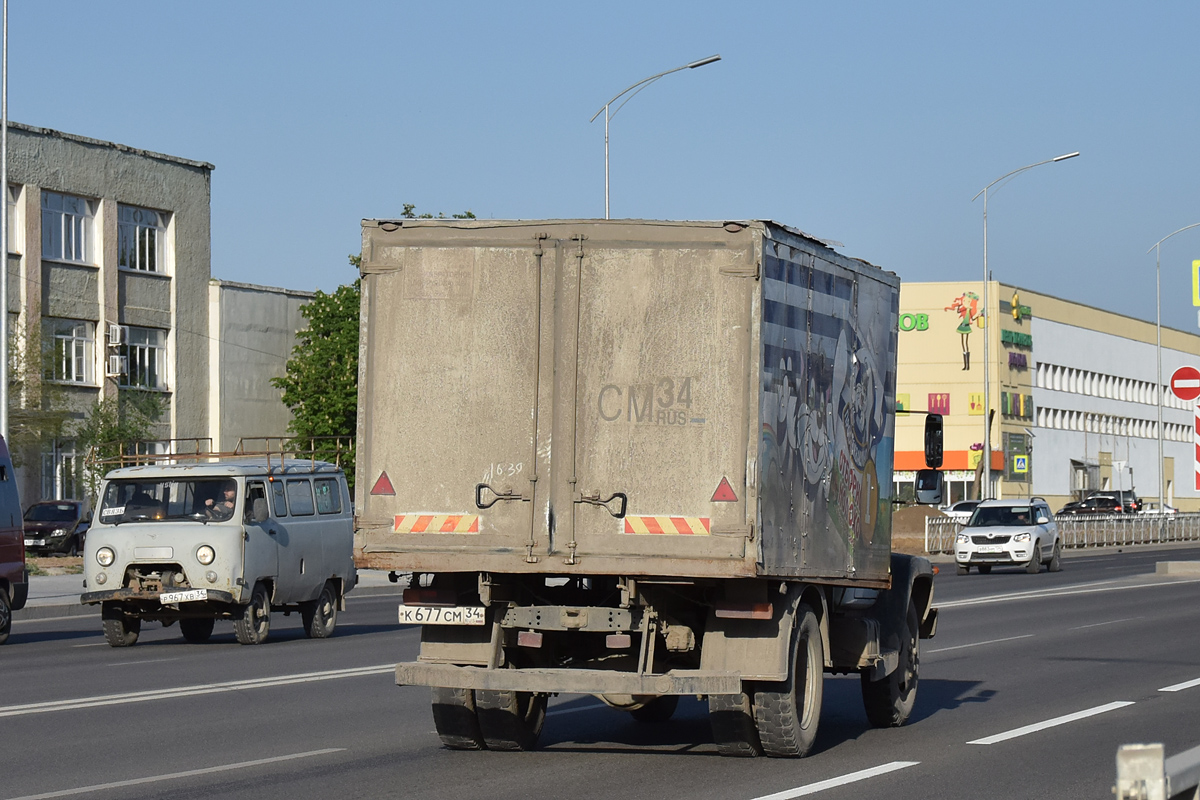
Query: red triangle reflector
x=383 y=485
x=724 y=493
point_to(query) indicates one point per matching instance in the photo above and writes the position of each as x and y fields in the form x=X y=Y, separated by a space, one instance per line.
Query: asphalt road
x=1026 y=692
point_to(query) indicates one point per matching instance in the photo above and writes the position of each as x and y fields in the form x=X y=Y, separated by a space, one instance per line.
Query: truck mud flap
x=929 y=625
x=571 y=681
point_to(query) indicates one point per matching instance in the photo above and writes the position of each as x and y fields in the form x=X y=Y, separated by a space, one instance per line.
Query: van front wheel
x=120 y=629
x=253 y=622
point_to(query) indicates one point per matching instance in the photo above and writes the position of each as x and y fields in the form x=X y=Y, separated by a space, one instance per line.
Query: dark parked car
x=1130 y=502
x=56 y=526
x=1096 y=504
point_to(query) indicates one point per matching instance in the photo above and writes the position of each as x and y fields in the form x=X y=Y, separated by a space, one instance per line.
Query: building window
x=16 y=231
x=62 y=472
x=68 y=228
x=146 y=352
x=72 y=346
x=141 y=238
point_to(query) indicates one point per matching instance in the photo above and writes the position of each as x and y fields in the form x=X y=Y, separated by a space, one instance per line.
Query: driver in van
x=222 y=509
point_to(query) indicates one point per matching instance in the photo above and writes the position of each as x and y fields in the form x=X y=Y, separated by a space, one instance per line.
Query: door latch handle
x=595 y=500
x=507 y=494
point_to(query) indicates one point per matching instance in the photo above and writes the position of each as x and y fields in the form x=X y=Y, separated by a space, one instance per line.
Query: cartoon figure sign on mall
x=966 y=305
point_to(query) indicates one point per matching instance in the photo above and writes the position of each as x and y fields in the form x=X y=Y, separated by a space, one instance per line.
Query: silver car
x=236 y=540
x=1009 y=533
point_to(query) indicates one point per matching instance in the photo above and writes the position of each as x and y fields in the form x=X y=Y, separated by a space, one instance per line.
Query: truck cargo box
x=627 y=397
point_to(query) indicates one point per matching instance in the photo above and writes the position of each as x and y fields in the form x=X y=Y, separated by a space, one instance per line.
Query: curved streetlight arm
x=649 y=80
x=1169 y=235
x=1022 y=169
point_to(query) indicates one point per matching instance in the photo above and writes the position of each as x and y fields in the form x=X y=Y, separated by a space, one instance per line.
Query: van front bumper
x=139 y=596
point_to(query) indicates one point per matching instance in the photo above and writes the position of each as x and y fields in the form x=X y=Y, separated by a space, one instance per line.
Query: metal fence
x=1088 y=530
x=1143 y=773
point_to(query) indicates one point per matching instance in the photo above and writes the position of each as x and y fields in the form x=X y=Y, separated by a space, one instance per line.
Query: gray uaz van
x=234 y=539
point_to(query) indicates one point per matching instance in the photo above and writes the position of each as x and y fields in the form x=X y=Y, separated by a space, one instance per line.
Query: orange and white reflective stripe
x=436 y=523
x=689 y=526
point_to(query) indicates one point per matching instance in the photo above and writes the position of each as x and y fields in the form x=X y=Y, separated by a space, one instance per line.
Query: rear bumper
x=569 y=681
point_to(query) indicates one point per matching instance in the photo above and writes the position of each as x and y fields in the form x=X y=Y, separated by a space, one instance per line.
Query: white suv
x=1009 y=533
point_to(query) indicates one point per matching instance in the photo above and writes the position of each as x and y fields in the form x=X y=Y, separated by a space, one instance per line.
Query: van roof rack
x=338 y=450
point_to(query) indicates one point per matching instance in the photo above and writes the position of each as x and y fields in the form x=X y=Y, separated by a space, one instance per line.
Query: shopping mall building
x=1073 y=389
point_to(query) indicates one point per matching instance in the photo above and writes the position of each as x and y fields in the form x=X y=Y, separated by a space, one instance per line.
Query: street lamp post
x=986 y=488
x=642 y=84
x=1158 y=392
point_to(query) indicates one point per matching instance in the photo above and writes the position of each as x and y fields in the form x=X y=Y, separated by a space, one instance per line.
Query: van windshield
x=200 y=500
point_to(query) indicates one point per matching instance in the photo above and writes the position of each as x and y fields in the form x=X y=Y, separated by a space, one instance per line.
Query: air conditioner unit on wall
x=117 y=366
x=116 y=333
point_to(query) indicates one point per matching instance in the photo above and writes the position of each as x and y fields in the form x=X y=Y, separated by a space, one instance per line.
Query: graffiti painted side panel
x=828 y=387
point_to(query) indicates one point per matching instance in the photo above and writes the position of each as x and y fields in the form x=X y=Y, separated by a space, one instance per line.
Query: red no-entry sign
x=1185 y=383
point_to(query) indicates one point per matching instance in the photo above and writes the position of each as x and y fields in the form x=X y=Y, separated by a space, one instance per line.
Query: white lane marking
x=177 y=775
x=1083 y=588
x=978 y=644
x=1179 y=687
x=1098 y=624
x=55 y=619
x=1051 y=723
x=187 y=691
x=91 y=644
x=148 y=661
x=853 y=777
x=588 y=707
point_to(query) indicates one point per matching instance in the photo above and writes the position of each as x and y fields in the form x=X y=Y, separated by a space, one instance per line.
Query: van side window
x=254 y=491
x=300 y=498
x=329 y=497
x=279 y=501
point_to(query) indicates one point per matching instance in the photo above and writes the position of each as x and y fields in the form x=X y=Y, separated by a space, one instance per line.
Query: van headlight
x=1021 y=537
x=105 y=556
x=205 y=554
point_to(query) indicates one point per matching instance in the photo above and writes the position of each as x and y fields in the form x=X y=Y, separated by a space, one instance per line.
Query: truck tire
x=120 y=629
x=732 y=720
x=196 y=630
x=1056 y=559
x=1035 y=559
x=787 y=713
x=454 y=719
x=252 y=623
x=5 y=615
x=657 y=710
x=889 y=701
x=320 y=616
x=510 y=720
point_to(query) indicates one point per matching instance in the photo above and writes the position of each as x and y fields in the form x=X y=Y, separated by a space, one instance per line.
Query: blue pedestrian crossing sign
x=1021 y=464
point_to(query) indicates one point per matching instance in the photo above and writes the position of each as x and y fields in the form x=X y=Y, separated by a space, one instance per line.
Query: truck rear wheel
x=454 y=718
x=5 y=615
x=732 y=720
x=320 y=616
x=120 y=629
x=510 y=720
x=889 y=701
x=787 y=713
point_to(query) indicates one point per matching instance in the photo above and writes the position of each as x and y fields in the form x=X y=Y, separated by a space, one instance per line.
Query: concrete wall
x=254 y=330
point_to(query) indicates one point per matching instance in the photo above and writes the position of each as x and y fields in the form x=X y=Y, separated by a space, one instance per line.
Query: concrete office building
x=1073 y=390
x=109 y=291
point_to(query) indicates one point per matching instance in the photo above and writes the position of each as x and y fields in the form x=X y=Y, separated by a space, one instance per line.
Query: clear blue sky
x=872 y=124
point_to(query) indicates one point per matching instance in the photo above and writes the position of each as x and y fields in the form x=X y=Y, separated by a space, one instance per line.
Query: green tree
x=112 y=427
x=321 y=383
